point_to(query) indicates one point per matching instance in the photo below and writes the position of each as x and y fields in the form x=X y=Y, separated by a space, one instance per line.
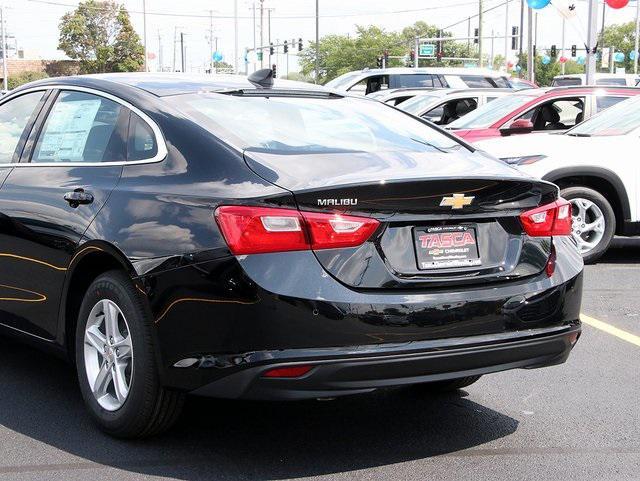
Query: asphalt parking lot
x=576 y=421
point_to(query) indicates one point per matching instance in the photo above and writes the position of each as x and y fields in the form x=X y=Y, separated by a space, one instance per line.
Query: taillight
x=255 y=230
x=548 y=220
x=288 y=372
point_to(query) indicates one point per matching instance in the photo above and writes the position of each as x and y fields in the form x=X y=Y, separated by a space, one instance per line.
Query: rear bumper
x=344 y=371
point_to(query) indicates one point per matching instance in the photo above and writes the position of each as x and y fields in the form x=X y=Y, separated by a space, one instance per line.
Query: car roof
x=163 y=84
x=434 y=70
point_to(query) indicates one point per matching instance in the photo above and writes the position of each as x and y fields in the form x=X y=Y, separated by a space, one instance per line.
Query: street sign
x=427 y=50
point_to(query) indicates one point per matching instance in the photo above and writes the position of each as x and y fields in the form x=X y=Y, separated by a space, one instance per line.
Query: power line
x=189 y=15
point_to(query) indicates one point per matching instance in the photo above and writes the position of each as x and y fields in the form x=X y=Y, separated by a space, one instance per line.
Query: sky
x=35 y=23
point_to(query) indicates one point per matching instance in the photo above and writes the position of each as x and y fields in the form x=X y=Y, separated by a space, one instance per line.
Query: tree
x=25 y=77
x=621 y=37
x=339 y=54
x=545 y=73
x=99 y=34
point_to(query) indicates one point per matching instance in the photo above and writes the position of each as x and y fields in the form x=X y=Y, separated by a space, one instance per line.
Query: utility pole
x=211 y=41
x=318 y=40
x=269 y=32
x=592 y=42
x=530 y=60
x=506 y=36
x=5 y=72
x=160 y=53
x=175 y=43
x=469 y=37
x=521 y=32
x=562 y=49
x=480 y=60
x=261 y=32
x=182 y=59
x=635 y=58
x=491 y=57
x=144 y=33
x=235 y=36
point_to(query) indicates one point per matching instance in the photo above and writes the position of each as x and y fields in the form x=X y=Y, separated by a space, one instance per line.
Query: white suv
x=596 y=167
x=367 y=81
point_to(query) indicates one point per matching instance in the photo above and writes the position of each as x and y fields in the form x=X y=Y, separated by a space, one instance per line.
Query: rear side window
x=411 y=80
x=476 y=81
x=501 y=83
x=142 y=142
x=83 y=127
x=14 y=117
x=604 y=102
x=611 y=81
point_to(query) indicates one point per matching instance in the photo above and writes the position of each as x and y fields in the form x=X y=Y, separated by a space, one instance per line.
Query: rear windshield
x=417 y=104
x=490 y=113
x=566 y=82
x=310 y=125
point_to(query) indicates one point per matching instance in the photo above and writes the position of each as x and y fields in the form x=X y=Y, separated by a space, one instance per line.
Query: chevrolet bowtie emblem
x=457 y=201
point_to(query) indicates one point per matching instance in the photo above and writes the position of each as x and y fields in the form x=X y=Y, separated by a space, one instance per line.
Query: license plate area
x=446 y=246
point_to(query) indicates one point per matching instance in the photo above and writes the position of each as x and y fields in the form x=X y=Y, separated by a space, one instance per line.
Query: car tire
x=147 y=408
x=450 y=384
x=592 y=196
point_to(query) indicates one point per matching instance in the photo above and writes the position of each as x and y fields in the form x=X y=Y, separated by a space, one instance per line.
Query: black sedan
x=236 y=238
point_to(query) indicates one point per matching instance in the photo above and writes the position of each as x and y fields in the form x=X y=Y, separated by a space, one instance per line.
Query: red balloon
x=617 y=3
x=509 y=64
x=563 y=59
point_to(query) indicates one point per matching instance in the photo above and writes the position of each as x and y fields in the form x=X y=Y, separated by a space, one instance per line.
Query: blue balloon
x=217 y=57
x=546 y=60
x=581 y=60
x=618 y=57
x=538 y=4
x=518 y=68
x=632 y=55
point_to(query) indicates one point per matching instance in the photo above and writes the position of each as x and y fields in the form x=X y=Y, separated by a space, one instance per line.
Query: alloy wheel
x=108 y=355
x=588 y=224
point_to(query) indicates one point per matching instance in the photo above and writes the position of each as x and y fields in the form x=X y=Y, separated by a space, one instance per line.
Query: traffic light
x=515 y=40
x=271 y=51
x=554 y=51
x=286 y=46
x=535 y=51
x=273 y=68
x=379 y=62
x=574 y=50
x=476 y=32
x=299 y=45
x=439 y=46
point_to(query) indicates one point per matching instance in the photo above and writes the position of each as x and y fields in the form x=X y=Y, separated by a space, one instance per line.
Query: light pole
x=480 y=60
x=530 y=60
x=144 y=32
x=317 y=63
x=235 y=36
x=506 y=36
x=635 y=58
x=592 y=36
x=5 y=72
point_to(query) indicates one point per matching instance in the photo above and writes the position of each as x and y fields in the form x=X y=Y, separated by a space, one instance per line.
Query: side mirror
x=520 y=126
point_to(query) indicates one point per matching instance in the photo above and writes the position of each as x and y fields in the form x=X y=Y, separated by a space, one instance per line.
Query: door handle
x=77 y=197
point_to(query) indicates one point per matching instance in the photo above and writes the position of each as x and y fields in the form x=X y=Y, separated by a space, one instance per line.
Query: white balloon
x=566 y=8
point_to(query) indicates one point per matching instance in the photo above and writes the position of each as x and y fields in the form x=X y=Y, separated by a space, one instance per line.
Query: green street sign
x=427 y=50
x=259 y=56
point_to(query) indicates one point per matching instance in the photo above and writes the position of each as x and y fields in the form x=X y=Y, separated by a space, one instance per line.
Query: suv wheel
x=594 y=222
x=117 y=371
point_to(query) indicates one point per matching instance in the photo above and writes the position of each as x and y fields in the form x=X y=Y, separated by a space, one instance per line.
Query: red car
x=537 y=110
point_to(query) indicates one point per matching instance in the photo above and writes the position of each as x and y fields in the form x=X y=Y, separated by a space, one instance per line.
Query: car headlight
x=523 y=160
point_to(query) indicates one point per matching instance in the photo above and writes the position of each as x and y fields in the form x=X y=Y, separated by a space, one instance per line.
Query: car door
x=557 y=114
x=17 y=116
x=71 y=162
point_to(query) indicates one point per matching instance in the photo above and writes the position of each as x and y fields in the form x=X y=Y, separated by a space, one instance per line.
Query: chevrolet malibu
x=240 y=238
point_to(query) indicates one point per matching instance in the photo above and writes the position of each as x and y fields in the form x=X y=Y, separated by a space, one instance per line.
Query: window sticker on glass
x=68 y=128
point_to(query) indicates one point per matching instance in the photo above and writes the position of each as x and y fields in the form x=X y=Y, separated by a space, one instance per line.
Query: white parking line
x=609 y=329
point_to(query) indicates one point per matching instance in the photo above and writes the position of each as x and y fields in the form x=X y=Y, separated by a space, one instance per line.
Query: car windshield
x=342 y=82
x=417 y=104
x=293 y=124
x=490 y=113
x=620 y=119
